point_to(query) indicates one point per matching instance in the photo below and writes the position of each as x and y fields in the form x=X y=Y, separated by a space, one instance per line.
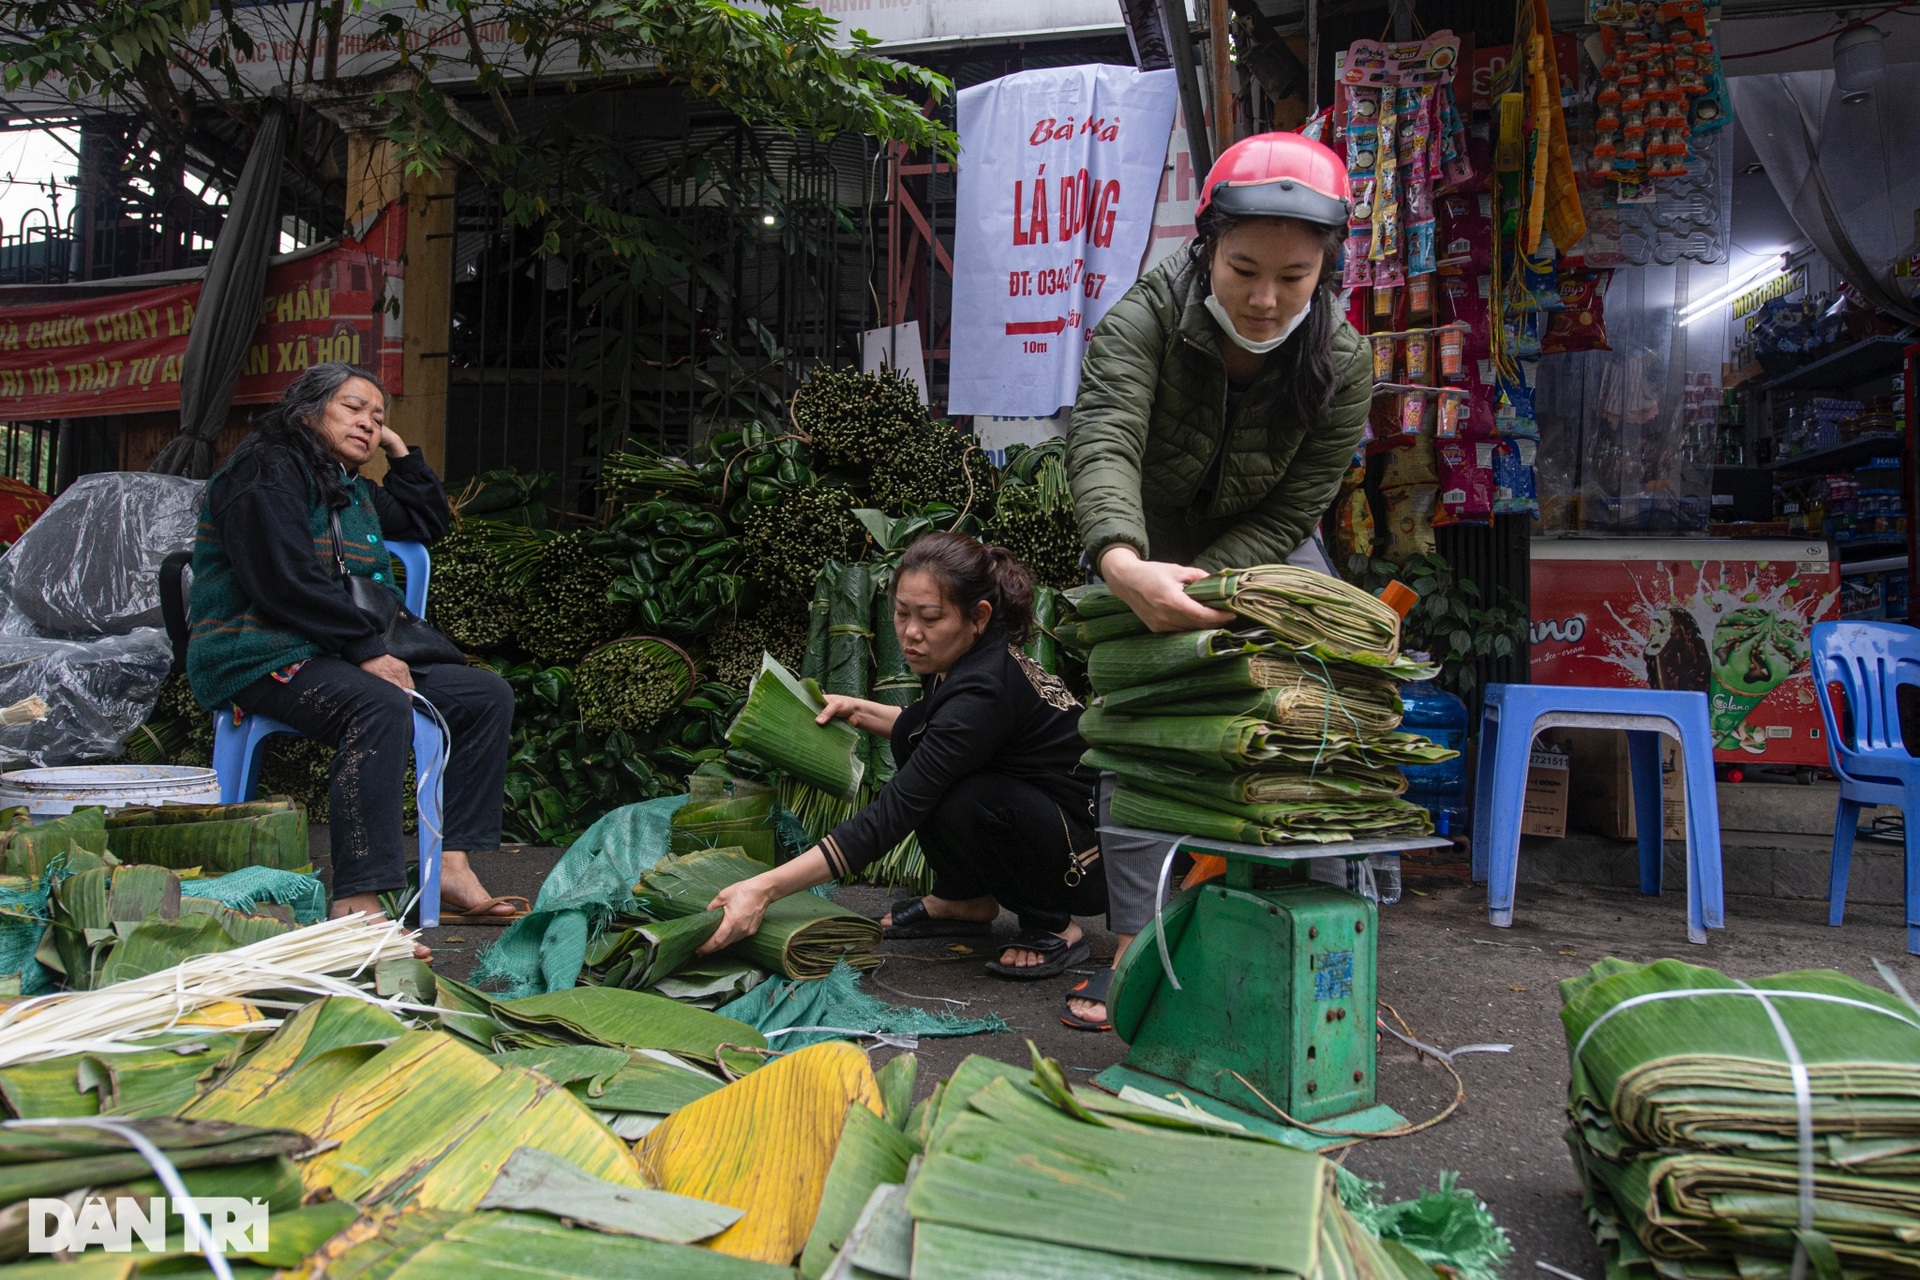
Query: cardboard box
x=1544 y=811
x=1601 y=797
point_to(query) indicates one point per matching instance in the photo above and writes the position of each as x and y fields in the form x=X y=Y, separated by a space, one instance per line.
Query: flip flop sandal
x=1093 y=988
x=1057 y=956
x=484 y=914
x=910 y=920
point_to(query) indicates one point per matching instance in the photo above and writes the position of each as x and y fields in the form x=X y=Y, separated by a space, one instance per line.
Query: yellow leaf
x=419 y=1118
x=763 y=1145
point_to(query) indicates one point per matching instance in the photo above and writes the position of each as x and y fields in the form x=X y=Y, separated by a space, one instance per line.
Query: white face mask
x=1219 y=313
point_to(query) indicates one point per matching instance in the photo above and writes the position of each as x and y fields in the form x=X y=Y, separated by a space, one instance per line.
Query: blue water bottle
x=1440 y=789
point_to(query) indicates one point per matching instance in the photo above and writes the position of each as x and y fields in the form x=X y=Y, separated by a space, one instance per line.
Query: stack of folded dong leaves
x=1703 y=1150
x=1281 y=728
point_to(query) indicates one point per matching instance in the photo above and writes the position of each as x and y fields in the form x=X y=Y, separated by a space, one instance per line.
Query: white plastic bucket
x=50 y=793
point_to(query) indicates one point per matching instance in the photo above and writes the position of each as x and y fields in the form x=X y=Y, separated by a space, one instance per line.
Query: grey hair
x=293 y=425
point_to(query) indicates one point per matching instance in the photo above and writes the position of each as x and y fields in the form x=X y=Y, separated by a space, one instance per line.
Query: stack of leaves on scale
x=630 y=636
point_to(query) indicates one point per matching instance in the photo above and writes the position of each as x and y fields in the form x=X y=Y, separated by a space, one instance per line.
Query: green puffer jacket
x=1151 y=415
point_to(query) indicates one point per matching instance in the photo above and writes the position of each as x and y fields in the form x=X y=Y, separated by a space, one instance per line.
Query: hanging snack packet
x=1513 y=484
x=1384 y=346
x=1452 y=346
x=1466 y=232
x=1410 y=521
x=1420 y=299
x=1466 y=489
x=1408 y=460
x=1413 y=411
x=1581 y=325
x=1386 y=197
x=1416 y=354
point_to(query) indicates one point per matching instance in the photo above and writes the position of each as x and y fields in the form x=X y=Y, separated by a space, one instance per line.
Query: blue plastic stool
x=239 y=737
x=1869 y=661
x=1501 y=780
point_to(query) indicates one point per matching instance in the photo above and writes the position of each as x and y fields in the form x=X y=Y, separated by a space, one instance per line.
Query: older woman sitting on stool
x=275 y=633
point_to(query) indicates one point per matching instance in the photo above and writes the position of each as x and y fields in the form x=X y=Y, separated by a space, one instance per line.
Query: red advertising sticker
x=1733 y=629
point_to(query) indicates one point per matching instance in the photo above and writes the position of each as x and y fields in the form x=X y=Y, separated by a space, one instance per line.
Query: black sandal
x=910 y=920
x=1058 y=955
x=1094 y=988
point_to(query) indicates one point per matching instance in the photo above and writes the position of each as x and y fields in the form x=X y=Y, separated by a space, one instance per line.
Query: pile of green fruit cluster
x=631 y=634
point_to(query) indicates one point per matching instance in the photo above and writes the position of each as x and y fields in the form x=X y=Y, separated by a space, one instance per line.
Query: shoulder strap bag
x=408 y=638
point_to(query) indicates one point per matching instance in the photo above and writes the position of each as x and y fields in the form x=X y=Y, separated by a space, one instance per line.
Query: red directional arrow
x=1056 y=325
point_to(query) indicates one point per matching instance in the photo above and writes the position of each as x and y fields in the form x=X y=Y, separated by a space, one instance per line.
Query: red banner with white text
x=122 y=352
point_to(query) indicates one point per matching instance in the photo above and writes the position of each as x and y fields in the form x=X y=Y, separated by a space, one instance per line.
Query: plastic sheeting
x=91 y=565
x=80 y=614
x=1619 y=451
x=1844 y=170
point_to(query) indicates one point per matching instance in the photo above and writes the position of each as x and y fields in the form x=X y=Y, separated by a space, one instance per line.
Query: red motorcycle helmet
x=1278 y=175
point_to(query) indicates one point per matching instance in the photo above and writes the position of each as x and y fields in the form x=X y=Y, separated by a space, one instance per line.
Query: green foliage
x=1451 y=622
x=776 y=61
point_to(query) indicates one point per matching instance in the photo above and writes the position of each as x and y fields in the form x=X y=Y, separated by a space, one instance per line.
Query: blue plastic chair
x=238 y=738
x=1869 y=661
x=1514 y=713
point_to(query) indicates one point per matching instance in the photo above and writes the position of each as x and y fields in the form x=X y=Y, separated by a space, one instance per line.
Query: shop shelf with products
x=1841 y=458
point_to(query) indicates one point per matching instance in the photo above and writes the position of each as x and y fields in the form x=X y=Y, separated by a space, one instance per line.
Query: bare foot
x=460 y=888
x=986 y=910
x=369 y=905
x=1021 y=958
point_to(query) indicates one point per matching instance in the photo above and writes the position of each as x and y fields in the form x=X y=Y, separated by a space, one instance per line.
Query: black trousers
x=1000 y=836
x=369 y=724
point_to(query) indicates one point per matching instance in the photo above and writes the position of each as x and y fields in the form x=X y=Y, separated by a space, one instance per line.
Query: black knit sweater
x=994 y=711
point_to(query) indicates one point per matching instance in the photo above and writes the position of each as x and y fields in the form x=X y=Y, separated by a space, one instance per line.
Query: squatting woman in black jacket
x=989 y=774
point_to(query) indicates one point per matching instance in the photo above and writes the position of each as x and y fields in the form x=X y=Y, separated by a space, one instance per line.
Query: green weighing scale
x=1262 y=980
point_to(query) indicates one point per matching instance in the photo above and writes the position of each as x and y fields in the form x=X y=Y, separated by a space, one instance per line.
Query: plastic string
x=196 y=1227
x=1803 y=1108
x=886 y=1038
x=1159 y=904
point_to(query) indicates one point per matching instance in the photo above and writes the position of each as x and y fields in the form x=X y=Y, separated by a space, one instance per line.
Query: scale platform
x=1251 y=997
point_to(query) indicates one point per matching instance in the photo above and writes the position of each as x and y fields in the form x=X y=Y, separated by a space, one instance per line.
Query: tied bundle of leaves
x=1338 y=779
x=1281 y=822
x=801 y=936
x=934 y=464
x=470 y=603
x=776 y=725
x=632 y=683
x=1703 y=1108
x=789 y=541
x=856 y=419
x=565 y=610
x=1234 y=743
x=1045 y=539
x=733 y=654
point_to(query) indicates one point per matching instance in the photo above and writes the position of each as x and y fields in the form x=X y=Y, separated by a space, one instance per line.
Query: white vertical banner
x=1059 y=169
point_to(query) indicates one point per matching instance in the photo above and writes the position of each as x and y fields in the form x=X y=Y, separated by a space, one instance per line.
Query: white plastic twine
x=196 y=1227
x=1796 y=1067
x=437 y=786
x=1159 y=903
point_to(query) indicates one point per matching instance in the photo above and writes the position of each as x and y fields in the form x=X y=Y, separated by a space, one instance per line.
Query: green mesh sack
x=546 y=949
x=834 y=1005
x=23 y=918
x=247 y=888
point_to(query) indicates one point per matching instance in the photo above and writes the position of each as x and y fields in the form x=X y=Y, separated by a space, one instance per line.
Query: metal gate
x=764 y=270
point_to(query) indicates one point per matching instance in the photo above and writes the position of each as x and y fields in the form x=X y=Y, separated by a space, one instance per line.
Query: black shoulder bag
x=408 y=638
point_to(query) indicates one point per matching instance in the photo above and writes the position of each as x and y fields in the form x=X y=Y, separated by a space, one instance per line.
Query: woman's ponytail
x=1014 y=583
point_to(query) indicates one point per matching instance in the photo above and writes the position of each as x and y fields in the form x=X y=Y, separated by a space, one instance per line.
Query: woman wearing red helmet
x=1221 y=401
